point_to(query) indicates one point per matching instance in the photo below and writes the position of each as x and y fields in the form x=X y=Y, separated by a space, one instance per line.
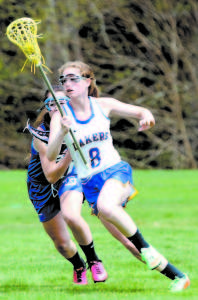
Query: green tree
x=143 y=52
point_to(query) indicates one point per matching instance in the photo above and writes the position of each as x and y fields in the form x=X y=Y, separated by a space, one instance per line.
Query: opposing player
x=107 y=184
x=58 y=201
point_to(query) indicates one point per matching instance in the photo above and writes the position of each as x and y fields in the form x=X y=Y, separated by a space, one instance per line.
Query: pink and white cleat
x=80 y=276
x=98 y=271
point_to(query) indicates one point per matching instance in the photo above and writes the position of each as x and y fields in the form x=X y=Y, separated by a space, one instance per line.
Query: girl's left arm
x=115 y=107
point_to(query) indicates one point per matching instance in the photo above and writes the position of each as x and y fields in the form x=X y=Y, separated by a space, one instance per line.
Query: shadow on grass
x=91 y=288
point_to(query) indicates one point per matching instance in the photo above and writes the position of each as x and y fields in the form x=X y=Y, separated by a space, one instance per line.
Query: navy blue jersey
x=35 y=171
x=43 y=195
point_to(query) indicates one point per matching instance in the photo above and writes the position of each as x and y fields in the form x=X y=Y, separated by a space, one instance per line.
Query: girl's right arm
x=55 y=138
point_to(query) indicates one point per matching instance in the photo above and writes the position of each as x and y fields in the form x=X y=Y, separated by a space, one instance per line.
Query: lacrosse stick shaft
x=50 y=88
x=61 y=112
x=23 y=33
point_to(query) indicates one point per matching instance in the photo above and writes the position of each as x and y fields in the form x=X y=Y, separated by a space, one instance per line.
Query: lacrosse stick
x=23 y=33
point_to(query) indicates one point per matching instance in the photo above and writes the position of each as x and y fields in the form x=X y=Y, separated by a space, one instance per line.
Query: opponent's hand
x=66 y=123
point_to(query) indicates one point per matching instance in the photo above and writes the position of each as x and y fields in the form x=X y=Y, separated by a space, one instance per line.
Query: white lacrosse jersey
x=95 y=140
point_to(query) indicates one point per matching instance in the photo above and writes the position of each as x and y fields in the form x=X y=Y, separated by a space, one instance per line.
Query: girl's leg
x=57 y=231
x=110 y=210
x=71 y=205
x=109 y=206
x=121 y=238
x=59 y=234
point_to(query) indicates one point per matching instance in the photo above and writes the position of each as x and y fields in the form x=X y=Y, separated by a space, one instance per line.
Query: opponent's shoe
x=180 y=284
x=151 y=257
x=80 y=276
x=98 y=271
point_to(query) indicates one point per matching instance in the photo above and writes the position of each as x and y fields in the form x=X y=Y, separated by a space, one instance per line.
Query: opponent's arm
x=112 y=106
x=53 y=170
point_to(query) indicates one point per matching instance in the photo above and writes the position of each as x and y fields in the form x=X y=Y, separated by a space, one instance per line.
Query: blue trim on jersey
x=100 y=108
x=92 y=187
x=33 y=150
x=79 y=121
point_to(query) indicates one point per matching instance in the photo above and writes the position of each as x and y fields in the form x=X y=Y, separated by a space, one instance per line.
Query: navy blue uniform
x=43 y=195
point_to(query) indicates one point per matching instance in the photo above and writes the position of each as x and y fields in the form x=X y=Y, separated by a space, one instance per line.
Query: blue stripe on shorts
x=70 y=183
x=121 y=171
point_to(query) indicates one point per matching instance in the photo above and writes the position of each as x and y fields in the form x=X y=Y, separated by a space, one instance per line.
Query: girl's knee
x=63 y=246
x=105 y=211
x=72 y=220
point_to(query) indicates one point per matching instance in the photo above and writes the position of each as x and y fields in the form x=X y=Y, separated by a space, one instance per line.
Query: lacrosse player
x=107 y=183
x=59 y=200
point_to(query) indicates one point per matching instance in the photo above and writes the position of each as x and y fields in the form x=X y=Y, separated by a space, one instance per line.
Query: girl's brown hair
x=85 y=71
x=43 y=116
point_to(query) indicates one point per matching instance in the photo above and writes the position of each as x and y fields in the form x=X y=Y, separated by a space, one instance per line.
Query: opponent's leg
x=57 y=230
x=71 y=205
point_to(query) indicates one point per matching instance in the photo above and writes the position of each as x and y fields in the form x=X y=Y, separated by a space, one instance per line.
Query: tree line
x=142 y=52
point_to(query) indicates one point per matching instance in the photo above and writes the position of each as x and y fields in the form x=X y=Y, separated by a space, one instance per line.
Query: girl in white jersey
x=107 y=182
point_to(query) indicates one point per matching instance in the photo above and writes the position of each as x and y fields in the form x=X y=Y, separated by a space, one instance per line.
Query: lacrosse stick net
x=23 y=33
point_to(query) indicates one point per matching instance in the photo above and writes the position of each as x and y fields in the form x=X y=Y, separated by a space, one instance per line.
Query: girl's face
x=50 y=103
x=74 y=84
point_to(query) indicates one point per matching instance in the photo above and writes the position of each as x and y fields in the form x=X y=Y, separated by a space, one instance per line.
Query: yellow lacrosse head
x=23 y=33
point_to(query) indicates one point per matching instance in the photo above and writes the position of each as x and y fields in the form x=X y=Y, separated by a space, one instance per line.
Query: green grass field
x=165 y=210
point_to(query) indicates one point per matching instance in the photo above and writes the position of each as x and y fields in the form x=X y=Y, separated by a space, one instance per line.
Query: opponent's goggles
x=50 y=104
x=72 y=77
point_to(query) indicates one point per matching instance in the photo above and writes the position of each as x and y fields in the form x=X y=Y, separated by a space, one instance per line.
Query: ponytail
x=93 y=89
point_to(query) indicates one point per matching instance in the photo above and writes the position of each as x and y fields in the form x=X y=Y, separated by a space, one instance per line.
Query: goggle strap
x=52 y=99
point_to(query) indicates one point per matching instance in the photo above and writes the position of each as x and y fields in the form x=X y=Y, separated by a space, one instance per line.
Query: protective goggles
x=50 y=104
x=72 y=77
